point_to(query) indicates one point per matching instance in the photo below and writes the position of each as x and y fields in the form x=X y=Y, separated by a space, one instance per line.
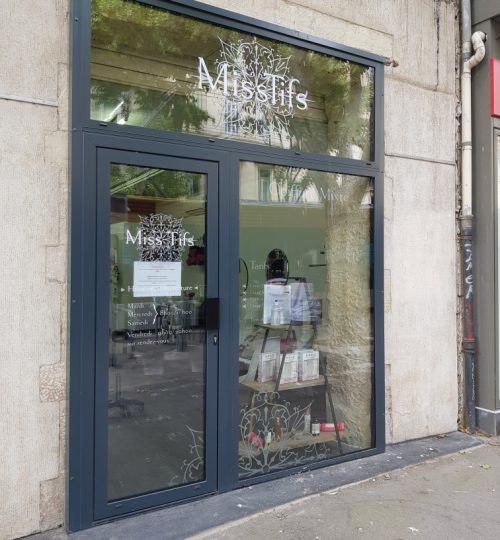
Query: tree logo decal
x=160 y=237
x=261 y=95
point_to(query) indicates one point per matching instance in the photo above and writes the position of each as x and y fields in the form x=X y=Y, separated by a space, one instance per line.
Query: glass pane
x=306 y=316
x=156 y=408
x=164 y=71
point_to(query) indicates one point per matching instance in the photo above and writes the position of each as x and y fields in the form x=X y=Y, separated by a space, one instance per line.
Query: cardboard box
x=289 y=373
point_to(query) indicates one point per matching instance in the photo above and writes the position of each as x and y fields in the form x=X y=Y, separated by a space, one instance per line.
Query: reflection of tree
x=291 y=183
x=347 y=325
x=123 y=25
x=168 y=111
x=345 y=93
x=338 y=120
x=145 y=32
x=348 y=330
x=157 y=183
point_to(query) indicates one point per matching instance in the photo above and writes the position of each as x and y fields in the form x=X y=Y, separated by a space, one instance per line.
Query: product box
x=289 y=373
x=267 y=366
x=300 y=299
x=308 y=364
x=329 y=427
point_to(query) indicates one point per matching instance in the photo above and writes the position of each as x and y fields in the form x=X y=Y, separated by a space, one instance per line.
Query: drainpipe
x=466 y=217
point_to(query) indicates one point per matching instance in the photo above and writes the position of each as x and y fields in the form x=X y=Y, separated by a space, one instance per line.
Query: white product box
x=267 y=367
x=301 y=308
x=308 y=364
x=289 y=373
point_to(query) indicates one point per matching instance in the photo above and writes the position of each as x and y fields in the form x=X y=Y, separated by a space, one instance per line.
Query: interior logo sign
x=160 y=237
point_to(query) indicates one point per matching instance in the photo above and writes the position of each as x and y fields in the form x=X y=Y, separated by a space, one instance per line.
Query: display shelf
x=282 y=326
x=274 y=387
x=288 y=442
x=272 y=326
x=270 y=386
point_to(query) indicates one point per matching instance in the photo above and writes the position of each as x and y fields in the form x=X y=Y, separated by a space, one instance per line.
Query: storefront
x=226 y=255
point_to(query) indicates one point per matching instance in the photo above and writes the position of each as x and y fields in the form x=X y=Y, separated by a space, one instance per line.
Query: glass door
x=156 y=330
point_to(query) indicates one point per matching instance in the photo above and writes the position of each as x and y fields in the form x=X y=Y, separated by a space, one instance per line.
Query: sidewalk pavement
x=435 y=488
x=452 y=497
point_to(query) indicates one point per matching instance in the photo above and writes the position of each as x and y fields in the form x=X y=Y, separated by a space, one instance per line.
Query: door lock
x=215 y=339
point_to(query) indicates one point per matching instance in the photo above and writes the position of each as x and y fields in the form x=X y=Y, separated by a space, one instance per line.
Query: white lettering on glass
x=160 y=237
x=257 y=83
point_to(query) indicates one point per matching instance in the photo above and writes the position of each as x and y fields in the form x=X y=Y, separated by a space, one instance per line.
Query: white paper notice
x=157 y=278
x=280 y=293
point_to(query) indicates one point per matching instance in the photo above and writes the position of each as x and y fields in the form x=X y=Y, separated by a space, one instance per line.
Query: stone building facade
x=418 y=38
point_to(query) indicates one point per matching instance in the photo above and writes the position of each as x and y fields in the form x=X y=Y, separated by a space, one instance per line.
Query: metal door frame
x=88 y=135
x=102 y=508
x=88 y=281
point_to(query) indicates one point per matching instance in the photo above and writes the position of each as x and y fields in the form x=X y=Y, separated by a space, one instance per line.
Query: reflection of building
x=309 y=184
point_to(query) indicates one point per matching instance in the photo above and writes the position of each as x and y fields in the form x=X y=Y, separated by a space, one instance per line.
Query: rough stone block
x=29 y=447
x=63 y=435
x=34 y=206
x=63 y=97
x=424 y=45
x=304 y=19
x=40 y=27
x=52 y=503
x=33 y=166
x=388 y=404
x=53 y=382
x=387 y=291
x=34 y=311
x=419 y=122
x=56 y=264
x=388 y=198
x=420 y=330
x=21 y=143
x=383 y=15
x=57 y=149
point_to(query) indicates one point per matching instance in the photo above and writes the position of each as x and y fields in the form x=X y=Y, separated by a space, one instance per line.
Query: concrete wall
x=34 y=185
x=418 y=37
x=421 y=356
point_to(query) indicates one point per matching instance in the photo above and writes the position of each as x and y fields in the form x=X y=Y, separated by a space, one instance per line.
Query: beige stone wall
x=34 y=186
x=418 y=37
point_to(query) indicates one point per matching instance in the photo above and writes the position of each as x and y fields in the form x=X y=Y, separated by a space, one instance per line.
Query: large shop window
x=160 y=70
x=306 y=326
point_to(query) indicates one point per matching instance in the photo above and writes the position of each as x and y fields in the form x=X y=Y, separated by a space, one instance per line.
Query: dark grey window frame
x=88 y=135
x=496 y=191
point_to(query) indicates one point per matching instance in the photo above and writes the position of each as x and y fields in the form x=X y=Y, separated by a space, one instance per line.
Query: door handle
x=212 y=308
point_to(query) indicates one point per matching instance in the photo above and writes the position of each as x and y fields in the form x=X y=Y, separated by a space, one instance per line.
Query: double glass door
x=156 y=330
x=184 y=405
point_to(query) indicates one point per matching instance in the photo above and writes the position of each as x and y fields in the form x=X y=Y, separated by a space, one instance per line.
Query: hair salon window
x=306 y=355
x=158 y=69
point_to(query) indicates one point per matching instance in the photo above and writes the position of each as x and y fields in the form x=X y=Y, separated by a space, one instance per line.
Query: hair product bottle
x=307 y=420
x=277 y=429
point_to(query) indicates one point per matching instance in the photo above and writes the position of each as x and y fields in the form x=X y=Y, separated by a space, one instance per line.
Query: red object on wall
x=495 y=87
